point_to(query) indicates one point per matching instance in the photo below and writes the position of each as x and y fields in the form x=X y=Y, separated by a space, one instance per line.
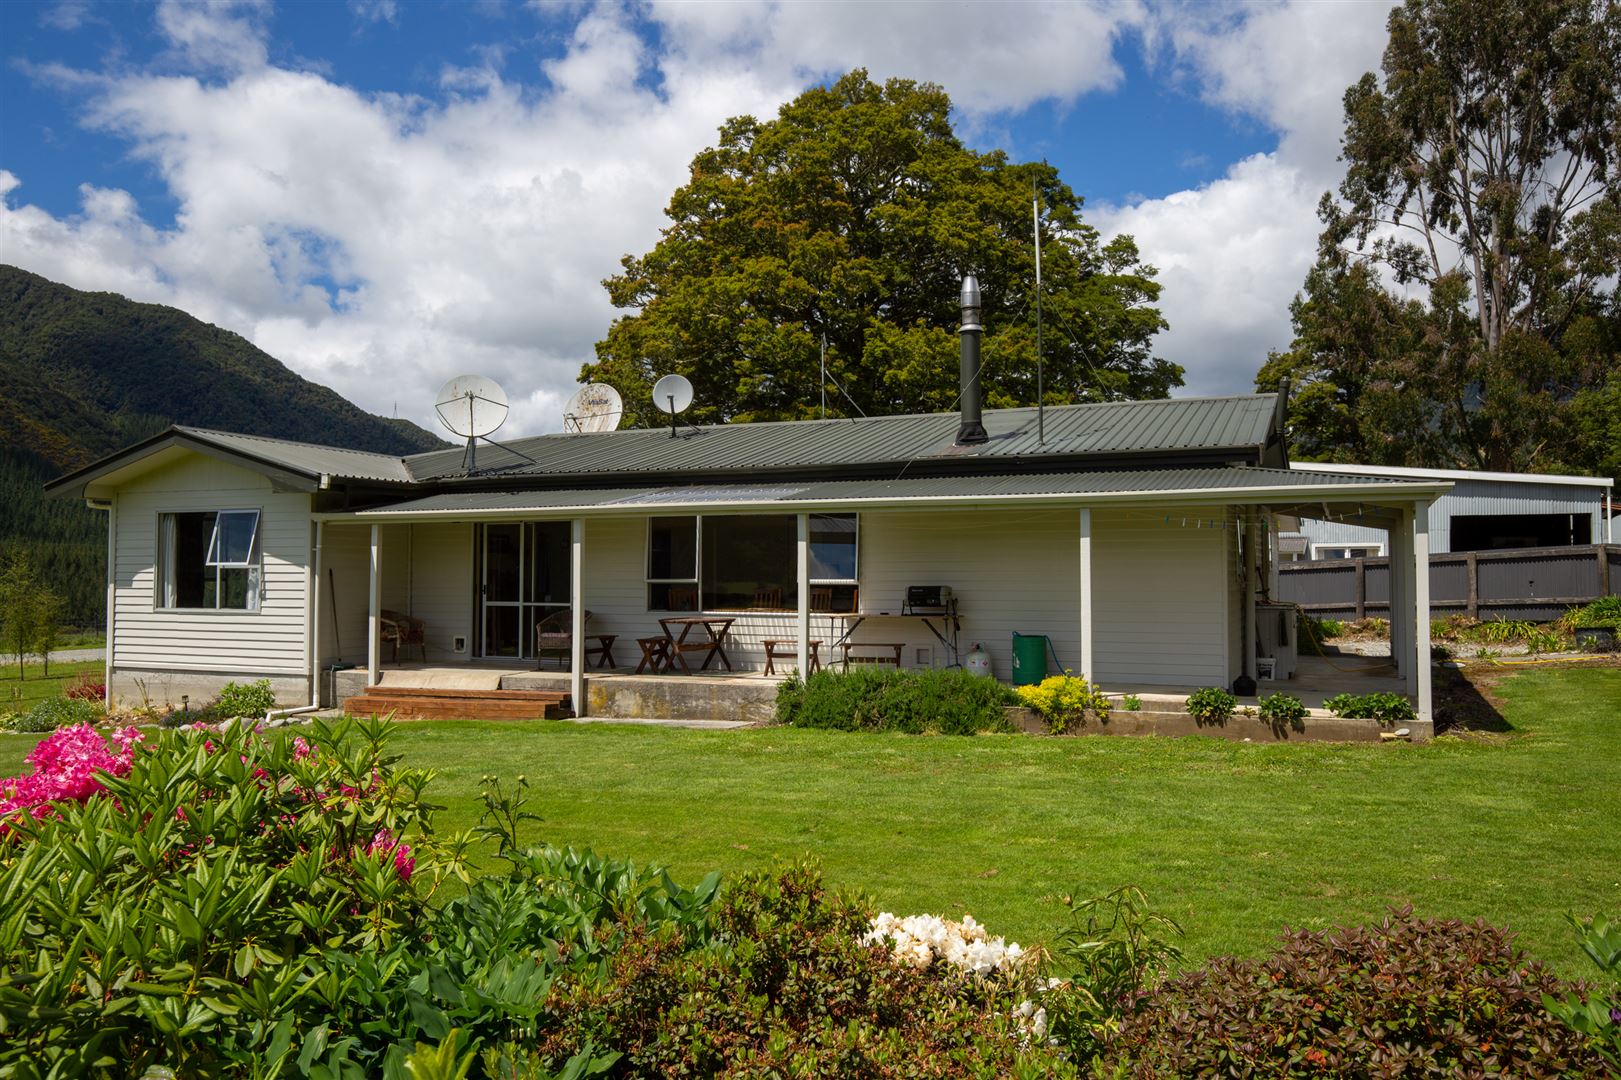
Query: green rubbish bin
x=1029 y=658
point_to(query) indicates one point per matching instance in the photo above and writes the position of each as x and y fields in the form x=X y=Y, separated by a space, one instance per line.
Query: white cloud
x=382 y=242
x=1234 y=252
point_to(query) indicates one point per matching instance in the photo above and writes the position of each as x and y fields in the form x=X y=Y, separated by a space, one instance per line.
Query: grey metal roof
x=1122 y=427
x=1198 y=482
x=307 y=457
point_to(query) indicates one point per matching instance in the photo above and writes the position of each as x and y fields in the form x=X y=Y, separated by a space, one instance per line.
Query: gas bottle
x=978 y=661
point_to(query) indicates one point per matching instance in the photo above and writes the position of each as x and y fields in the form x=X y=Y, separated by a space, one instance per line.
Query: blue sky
x=383 y=193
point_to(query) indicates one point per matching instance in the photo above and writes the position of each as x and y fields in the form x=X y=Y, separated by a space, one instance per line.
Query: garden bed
x=1318 y=727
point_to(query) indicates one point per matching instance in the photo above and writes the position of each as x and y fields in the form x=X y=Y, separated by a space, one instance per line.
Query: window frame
x=698 y=561
x=254 y=564
x=1371 y=549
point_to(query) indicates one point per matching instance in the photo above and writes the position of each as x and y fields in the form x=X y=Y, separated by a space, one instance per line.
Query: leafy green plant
x=948 y=702
x=1504 y=631
x=1114 y=949
x=1282 y=709
x=251 y=701
x=1387 y=708
x=1596 y=1014
x=53 y=713
x=1408 y=997
x=1602 y=614
x=1131 y=702
x=1544 y=641
x=1212 y=705
x=1064 y=701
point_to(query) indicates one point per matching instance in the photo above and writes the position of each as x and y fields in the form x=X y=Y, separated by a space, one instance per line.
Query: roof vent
x=971 y=430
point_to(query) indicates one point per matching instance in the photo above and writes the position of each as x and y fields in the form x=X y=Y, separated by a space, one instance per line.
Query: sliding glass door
x=525 y=579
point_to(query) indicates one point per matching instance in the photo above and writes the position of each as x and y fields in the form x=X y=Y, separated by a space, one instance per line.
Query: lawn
x=17 y=695
x=1234 y=840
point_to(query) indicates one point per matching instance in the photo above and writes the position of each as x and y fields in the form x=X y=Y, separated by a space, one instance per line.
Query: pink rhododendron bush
x=67 y=766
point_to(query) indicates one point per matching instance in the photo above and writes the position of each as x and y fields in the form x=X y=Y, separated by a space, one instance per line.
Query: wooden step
x=425 y=703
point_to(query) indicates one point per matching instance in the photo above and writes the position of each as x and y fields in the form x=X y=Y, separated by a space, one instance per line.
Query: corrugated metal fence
x=1537 y=584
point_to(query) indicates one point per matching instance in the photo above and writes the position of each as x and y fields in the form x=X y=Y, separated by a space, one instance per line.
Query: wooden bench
x=894 y=658
x=603 y=650
x=785 y=649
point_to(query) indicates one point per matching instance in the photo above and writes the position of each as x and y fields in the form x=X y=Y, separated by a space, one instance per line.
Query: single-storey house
x=1484 y=511
x=1135 y=535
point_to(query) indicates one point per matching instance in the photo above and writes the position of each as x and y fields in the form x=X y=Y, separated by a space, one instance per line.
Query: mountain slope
x=84 y=374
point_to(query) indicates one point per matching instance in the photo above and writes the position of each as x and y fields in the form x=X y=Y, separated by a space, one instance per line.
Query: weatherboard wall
x=267 y=642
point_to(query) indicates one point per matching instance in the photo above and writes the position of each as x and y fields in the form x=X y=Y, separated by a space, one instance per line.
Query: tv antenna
x=594 y=407
x=474 y=406
x=673 y=394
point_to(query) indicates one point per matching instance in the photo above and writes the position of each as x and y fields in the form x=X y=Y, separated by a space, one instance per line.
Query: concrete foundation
x=164 y=689
x=1317 y=728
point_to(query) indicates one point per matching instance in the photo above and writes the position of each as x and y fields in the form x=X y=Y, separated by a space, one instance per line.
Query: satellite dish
x=471 y=406
x=594 y=407
x=672 y=394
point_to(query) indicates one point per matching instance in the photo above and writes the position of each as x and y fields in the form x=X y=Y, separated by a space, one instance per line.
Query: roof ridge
x=188 y=429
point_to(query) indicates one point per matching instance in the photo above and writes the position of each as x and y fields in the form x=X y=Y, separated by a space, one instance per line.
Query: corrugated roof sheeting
x=307 y=457
x=1167 y=481
x=1113 y=427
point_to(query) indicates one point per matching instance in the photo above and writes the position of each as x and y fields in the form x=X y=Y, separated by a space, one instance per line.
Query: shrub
x=1280 y=709
x=54 y=713
x=1063 y=701
x=790 y=988
x=1131 y=702
x=251 y=701
x=1408 y=997
x=1387 y=708
x=86 y=687
x=1603 y=613
x=1598 y=1015
x=950 y=702
x=1115 y=949
x=1212 y=705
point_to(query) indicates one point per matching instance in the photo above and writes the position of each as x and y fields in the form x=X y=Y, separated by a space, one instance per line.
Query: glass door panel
x=503 y=563
x=501 y=630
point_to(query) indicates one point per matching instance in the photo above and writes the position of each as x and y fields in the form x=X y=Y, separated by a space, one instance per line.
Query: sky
x=386 y=193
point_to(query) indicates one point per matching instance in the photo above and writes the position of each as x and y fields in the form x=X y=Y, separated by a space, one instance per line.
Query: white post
x=576 y=592
x=312 y=625
x=1252 y=532
x=802 y=623
x=1086 y=595
x=112 y=600
x=373 y=643
x=1421 y=609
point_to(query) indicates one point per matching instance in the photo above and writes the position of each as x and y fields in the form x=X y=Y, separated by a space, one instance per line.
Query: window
x=1346 y=551
x=209 y=560
x=1485 y=532
x=672 y=564
x=748 y=562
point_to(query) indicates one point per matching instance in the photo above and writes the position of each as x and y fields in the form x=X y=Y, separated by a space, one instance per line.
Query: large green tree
x=1462 y=310
x=853 y=215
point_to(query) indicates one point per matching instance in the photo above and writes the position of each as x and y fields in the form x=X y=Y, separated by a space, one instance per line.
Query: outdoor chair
x=399 y=629
x=554 y=636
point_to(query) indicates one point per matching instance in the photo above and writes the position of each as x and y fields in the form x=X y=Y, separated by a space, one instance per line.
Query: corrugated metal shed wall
x=1476 y=497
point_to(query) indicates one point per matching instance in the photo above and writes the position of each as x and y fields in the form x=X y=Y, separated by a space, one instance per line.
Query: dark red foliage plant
x=1408 y=997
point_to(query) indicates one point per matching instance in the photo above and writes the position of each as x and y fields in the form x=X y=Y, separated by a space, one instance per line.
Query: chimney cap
x=970 y=291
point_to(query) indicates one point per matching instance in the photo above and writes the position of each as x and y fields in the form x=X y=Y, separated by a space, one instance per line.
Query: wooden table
x=715 y=627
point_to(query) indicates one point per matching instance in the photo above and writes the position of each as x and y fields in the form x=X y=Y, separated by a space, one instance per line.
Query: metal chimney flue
x=971 y=430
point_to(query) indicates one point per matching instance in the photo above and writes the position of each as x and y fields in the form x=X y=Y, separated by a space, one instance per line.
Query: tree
x=852 y=217
x=1466 y=272
x=19 y=608
x=47 y=624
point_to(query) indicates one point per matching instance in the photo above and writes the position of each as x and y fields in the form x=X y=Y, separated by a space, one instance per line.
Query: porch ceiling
x=1285 y=489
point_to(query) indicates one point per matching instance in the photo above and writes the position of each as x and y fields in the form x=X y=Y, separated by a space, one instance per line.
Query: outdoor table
x=714 y=626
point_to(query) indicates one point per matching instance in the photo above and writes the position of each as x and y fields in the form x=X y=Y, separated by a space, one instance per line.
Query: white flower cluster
x=1032 y=1020
x=920 y=940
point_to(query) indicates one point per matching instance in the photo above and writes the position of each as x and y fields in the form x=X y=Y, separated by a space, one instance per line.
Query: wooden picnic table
x=715 y=629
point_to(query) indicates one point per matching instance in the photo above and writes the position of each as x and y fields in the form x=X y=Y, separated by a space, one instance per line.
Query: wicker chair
x=399 y=629
x=554 y=635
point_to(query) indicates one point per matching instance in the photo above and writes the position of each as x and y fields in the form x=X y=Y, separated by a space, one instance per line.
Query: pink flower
x=384 y=843
x=68 y=765
x=302 y=750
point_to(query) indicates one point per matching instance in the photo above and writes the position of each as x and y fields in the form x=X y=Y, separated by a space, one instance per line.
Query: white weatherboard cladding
x=427 y=572
x=270 y=641
x=1471 y=497
x=1162 y=596
x=345 y=566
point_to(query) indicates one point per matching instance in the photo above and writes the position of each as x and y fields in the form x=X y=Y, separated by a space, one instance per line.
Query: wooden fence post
x=1361 y=589
x=1603 y=569
x=1473 y=608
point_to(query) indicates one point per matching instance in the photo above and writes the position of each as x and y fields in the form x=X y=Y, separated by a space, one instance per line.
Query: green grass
x=1235 y=840
x=83 y=639
x=17 y=695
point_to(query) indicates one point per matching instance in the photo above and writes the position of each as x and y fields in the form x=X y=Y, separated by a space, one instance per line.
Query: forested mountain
x=83 y=374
